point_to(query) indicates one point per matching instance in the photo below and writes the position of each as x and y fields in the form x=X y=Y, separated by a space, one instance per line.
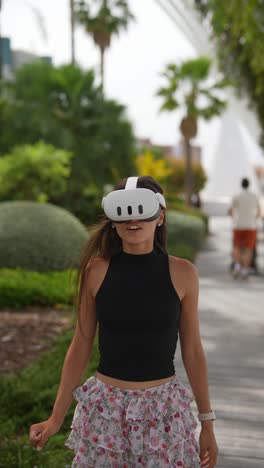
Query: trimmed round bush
x=184 y=229
x=39 y=236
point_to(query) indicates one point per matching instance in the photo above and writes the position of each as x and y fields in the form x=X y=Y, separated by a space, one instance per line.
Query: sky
x=133 y=64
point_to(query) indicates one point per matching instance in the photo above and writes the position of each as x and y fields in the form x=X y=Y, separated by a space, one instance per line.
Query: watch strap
x=207 y=416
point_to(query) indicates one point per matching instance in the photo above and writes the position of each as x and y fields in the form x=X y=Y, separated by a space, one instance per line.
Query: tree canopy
x=63 y=107
x=188 y=86
x=238 y=29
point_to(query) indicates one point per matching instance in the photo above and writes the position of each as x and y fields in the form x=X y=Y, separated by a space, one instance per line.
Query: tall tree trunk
x=188 y=173
x=102 y=53
x=188 y=128
x=72 y=32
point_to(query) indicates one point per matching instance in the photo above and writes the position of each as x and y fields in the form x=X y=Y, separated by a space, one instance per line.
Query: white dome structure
x=233 y=160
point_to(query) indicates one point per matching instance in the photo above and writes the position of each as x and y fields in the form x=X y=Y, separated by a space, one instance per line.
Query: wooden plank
x=232 y=328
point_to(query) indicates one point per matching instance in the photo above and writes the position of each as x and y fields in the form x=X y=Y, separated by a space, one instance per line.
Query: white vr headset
x=133 y=203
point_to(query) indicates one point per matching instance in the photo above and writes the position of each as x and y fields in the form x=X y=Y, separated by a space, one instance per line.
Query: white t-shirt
x=245 y=207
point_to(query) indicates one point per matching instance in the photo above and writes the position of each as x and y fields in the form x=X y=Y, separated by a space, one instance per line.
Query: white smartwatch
x=207 y=416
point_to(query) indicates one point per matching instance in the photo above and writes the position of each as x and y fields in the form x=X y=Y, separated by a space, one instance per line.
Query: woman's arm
x=78 y=354
x=194 y=361
x=193 y=355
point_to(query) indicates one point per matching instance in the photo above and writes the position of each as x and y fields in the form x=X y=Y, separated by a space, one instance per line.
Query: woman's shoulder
x=182 y=266
x=95 y=261
x=182 y=262
x=96 y=264
x=183 y=275
x=96 y=269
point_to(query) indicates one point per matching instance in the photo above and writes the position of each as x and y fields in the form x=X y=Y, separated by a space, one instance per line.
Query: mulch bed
x=24 y=335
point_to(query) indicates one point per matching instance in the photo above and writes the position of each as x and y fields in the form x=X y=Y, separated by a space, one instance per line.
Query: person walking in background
x=245 y=209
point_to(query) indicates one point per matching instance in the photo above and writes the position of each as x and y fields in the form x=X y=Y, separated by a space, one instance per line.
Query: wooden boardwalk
x=232 y=328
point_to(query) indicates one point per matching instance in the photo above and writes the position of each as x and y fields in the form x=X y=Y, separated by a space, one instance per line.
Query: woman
x=134 y=412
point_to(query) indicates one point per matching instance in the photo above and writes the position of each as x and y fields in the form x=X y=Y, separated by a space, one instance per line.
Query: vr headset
x=133 y=203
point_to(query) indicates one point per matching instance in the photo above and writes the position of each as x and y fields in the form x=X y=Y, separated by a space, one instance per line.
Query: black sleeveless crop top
x=138 y=310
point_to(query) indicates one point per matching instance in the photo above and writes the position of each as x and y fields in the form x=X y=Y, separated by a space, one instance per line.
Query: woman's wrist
x=207 y=424
x=58 y=419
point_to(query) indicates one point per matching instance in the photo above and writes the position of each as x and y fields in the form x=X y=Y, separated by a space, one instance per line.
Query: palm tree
x=111 y=17
x=191 y=81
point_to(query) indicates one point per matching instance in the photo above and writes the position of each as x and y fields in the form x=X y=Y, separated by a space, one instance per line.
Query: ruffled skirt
x=116 y=428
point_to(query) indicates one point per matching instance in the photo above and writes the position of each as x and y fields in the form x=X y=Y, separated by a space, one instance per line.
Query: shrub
x=39 y=237
x=20 y=288
x=176 y=179
x=182 y=250
x=184 y=230
x=174 y=202
x=148 y=163
x=34 y=172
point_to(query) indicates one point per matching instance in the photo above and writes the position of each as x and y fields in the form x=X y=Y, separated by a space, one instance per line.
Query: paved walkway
x=232 y=328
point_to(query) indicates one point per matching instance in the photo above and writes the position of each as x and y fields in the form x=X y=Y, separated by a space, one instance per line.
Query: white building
x=13 y=59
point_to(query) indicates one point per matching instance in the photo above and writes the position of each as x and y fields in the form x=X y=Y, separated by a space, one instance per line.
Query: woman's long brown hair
x=105 y=242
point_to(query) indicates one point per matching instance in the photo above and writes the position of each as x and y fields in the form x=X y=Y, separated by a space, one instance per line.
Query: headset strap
x=131 y=183
x=161 y=199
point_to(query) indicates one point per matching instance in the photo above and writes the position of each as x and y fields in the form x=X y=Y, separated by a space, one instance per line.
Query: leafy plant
x=148 y=164
x=34 y=172
x=176 y=179
x=237 y=29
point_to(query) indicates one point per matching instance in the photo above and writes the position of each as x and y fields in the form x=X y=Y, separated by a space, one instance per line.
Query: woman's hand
x=208 y=447
x=40 y=432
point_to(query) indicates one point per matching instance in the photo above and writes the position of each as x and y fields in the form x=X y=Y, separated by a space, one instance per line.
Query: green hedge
x=175 y=203
x=20 y=288
x=28 y=398
x=184 y=231
x=182 y=250
x=39 y=236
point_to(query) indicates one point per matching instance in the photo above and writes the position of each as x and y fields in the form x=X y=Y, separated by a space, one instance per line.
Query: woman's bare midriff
x=129 y=385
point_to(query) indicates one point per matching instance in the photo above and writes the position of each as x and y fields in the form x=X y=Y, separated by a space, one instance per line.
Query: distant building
x=176 y=151
x=146 y=143
x=13 y=59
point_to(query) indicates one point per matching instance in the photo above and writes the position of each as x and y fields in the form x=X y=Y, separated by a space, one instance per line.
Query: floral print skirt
x=117 y=428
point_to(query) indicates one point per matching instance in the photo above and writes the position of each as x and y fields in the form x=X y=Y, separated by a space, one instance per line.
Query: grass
x=28 y=398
